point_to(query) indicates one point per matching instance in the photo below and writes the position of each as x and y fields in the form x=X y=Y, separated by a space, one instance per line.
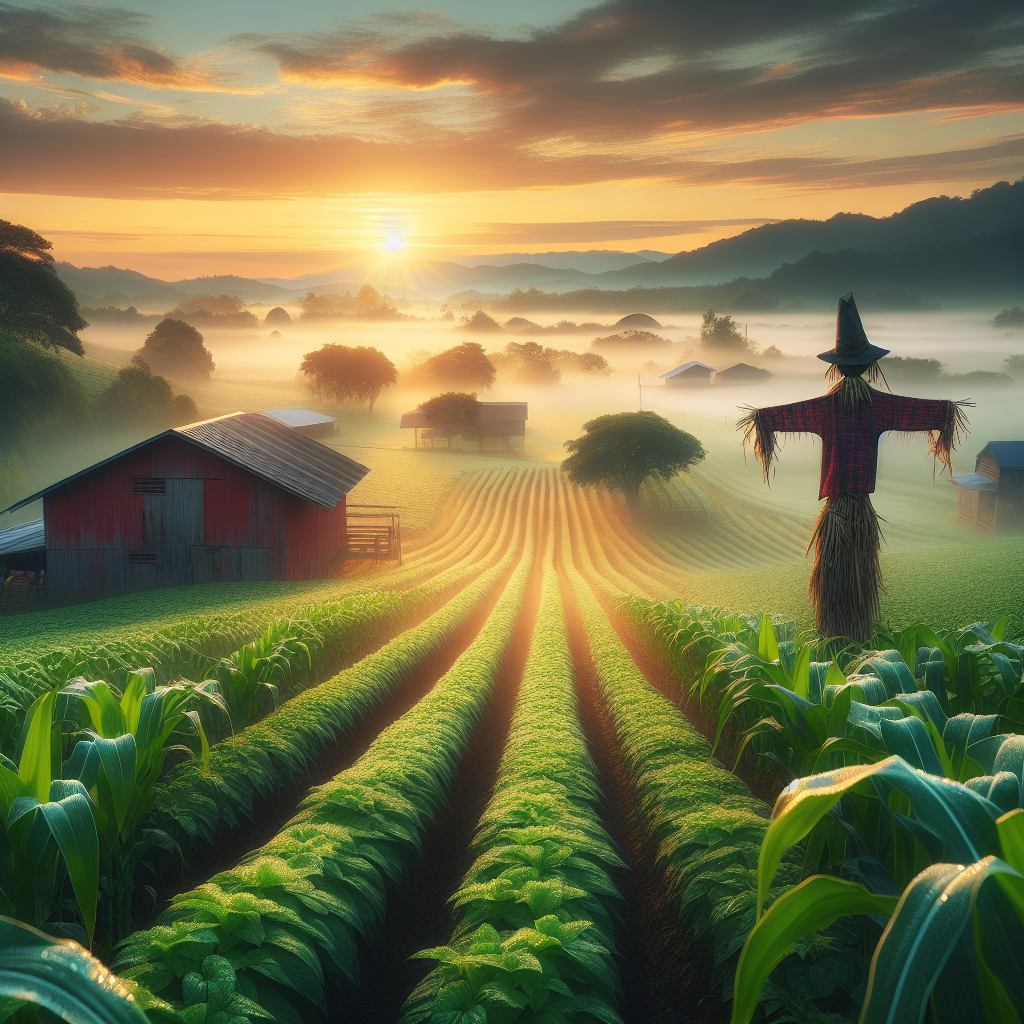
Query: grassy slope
x=946 y=588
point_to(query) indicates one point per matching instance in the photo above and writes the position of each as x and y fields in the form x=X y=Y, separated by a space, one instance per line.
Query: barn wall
x=215 y=522
x=314 y=533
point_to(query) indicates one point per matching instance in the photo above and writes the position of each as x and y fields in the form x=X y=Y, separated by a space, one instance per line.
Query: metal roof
x=688 y=366
x=298 y=417
x=27 y=537
x=976 y=482
x=263 y=446
x=1007 y=454
x=488 y=411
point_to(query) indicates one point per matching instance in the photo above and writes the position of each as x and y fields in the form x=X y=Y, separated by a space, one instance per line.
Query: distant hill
x=983 y=271
x=246 y=288
x=759 y=251
x=593 y=261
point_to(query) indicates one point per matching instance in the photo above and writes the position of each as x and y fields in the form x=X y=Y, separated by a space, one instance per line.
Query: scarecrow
x=846 y=577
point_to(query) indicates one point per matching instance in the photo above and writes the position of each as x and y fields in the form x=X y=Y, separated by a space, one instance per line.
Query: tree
x=480 y=322
x=176 y=348
x=533 y=363
x=1015 y=366
x=1004 y=318
x=454 y=413
x=136 y=397
x=346 y=373
x=631 y=339
x=35 y=304
x=41 y=401
x=215 y=310
x=723 y=334
x=278 y=316
x=466 y=365
x=621 y=450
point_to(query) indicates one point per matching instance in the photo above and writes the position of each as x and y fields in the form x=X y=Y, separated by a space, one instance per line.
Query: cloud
x=629 y=69
x=98 y=43
x=147 y=156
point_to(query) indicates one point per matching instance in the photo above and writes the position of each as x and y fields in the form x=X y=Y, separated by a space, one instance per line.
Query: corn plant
x=953 y=944
x=537 y=909
x=290 y=913
x=58 y=974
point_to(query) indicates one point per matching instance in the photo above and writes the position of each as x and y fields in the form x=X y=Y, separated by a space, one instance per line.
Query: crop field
x=527 y=776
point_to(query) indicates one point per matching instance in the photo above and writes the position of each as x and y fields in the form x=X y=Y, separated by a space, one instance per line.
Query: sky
x=263 y=139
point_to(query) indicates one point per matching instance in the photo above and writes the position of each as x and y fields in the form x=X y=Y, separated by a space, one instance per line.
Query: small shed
x=692 y=374
x=742 y=373
x=239 y=497
x=312 y=424
x=502 y=429
x=23 y=562
x=993 y=495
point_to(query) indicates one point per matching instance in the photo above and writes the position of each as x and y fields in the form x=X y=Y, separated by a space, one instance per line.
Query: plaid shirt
x=849 y=436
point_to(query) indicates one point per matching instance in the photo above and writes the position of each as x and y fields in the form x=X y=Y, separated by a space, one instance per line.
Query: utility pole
x=640 y=389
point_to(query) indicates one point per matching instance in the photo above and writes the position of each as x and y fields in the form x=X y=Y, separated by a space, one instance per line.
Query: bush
x=138 y=397
x=176 y=348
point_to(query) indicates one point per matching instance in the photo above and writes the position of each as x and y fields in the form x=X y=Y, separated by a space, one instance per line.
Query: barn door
x=173 y=529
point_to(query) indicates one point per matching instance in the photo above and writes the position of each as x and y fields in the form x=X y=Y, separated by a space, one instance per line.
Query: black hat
x=852 y=345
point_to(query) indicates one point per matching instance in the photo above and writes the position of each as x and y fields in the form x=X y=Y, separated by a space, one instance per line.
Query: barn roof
x=266 y=448
x=298 y=417
x=26 y=537
x=688 y=366
x=1007 y=454
x=489 y=411
x=976 y=482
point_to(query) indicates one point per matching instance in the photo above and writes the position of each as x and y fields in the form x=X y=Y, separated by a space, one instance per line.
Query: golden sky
x=271 y=140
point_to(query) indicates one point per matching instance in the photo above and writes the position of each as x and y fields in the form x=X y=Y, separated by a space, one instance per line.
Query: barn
x=993 y=495
x=502 y=429
x=239 y=497
x=742 y=373
x=305 y=421
x=692 y=374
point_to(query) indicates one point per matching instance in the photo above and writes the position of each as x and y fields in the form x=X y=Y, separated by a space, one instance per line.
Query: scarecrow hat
x=852 y=345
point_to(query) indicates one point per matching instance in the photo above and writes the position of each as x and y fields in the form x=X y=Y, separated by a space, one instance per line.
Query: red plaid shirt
x=849 y=436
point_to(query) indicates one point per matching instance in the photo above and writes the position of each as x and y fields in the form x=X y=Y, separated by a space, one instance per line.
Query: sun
x=392 y=242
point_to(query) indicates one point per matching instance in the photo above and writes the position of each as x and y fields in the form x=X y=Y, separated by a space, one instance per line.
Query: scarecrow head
x=854 y=354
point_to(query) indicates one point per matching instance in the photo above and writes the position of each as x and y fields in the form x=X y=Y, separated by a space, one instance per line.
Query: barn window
x=147 y=486
x=142 y=558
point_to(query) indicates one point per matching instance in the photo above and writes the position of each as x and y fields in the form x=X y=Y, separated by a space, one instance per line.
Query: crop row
x=268 y=936
x=538 y=907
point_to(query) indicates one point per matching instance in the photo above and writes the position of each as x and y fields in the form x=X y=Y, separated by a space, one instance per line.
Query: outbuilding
x=239 y=497
x=692 y=374
x=742 y=373
x=993 y=495
x=305 y=421
x=502 y=429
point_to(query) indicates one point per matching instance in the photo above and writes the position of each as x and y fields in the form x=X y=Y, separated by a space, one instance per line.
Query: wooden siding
x=215 y=521
x=988 y=467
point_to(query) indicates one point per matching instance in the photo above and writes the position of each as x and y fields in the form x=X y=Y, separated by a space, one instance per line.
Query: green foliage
x=537 y=909
x=956 y=932
x=347 y=373
x=621 y=450
x=41 y=399
x=1009 y=318
x=176 y=348
x=66 y=979
x=35 y=305
x=455 y=414
x=465 y=365
x=136 y=397
x=722 y=334
x=292 y=910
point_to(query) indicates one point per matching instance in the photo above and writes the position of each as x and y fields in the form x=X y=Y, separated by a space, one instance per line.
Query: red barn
x=240 y=497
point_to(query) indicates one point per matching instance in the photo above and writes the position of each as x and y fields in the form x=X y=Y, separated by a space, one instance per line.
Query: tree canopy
x=722 y=333
x=35 y=304
x=465 y=365
x=176 y=348
x=136 y=397
x=632 y=338
x=621 y=450
x=454 y=413
x=347 y=373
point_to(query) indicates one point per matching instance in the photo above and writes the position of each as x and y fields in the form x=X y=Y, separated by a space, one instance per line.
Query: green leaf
x=34 y=768
x=767 y=645
x=117 y=761
x=814 y=904
x=1011 y=838
x=63 y=977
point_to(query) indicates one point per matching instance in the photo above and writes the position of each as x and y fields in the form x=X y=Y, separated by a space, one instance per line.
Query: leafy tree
x=40 y=400
x=366 y=302
x=216 y=310
x=454 y=413
x=346 y=373
x=631 y=339
x=137 y=397
x=722 y=334
x=532 y=363
x=621 y=450
x=480 y=322
x=176 y=348
x=1015 y=366
x=1005 y=318
x=35 y=304
x=910 y=369
x=466 y=365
